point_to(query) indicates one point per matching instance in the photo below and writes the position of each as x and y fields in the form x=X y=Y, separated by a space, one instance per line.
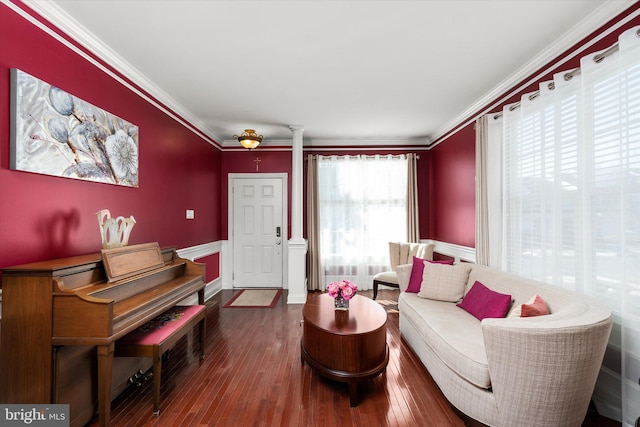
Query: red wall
x=213 y=266
x=270 y=161
x=44 y=217
x=452 y=161
x=451 y=186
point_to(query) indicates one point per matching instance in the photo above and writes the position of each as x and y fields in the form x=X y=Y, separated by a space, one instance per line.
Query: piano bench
x=158 y=336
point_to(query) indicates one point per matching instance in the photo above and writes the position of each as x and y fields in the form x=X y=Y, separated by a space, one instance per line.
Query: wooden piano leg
x=202 y=329
x=157 y=371
x=105 y=367
x=55 y=379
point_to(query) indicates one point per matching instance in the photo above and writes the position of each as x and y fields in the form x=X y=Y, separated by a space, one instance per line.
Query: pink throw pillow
x=484 y=303
x=416 y=275
x=537 y=308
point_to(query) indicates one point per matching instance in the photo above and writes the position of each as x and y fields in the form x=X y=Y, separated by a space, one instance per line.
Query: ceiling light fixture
x=249 y=139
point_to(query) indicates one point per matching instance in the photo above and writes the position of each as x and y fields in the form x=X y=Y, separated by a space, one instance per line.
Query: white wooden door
x=258 y=232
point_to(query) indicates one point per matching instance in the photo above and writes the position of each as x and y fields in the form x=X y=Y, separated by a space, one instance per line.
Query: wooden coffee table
x=347 y=346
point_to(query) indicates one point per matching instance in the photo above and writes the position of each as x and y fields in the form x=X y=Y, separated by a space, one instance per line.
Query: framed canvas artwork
x=55 y=133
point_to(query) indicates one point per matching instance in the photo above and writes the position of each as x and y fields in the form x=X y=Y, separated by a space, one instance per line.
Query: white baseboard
x=210 y=290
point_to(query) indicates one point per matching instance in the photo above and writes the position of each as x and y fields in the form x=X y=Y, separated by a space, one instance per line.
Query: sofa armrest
x=404 y=274
x=543 y=373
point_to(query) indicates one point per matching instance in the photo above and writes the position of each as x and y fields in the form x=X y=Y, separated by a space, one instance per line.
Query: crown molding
x=609 y=10
x=331 y=144
x=365 y=143
x=107 y=56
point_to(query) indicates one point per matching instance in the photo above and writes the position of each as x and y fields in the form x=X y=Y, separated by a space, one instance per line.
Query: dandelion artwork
x=55 y=133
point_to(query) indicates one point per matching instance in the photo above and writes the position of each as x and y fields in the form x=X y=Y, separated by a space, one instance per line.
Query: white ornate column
x=297 y=248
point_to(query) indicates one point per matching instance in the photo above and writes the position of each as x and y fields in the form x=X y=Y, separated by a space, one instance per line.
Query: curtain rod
x=568 y=75
x=366 y=156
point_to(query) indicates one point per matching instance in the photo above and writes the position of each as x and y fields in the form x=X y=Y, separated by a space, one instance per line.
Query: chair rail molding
x=458 y=252
x=200 y=251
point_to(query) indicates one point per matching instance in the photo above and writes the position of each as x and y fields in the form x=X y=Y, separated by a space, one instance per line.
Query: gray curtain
x=313 y=225
x=482 y=203
x=413 y=220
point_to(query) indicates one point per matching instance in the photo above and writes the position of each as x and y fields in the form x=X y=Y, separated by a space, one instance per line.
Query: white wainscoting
x=457 y=252
x=200 y=251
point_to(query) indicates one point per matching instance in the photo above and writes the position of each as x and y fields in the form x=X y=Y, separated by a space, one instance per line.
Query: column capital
x=296 y=128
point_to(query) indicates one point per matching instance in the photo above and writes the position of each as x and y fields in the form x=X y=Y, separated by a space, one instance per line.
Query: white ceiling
x=395 y=71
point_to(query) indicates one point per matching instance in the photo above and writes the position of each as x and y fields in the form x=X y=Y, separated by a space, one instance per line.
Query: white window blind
x=571 y=194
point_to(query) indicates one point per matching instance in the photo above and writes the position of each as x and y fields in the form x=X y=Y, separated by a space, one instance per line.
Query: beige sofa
x=513 y=371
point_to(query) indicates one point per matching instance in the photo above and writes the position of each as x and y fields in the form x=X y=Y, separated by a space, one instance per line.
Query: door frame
x=284 y=181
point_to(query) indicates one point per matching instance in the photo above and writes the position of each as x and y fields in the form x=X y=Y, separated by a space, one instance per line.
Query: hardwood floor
x=252 y=376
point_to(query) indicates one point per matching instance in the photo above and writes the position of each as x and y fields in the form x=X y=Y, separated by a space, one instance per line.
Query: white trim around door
x=283 y=178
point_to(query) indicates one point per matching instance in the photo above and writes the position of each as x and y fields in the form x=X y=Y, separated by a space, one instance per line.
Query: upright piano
x=91 y=301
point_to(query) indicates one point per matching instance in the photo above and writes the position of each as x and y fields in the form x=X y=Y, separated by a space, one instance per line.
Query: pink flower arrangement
x=344 y=287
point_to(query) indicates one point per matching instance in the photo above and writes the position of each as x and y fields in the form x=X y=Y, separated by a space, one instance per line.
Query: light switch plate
x=190 y=214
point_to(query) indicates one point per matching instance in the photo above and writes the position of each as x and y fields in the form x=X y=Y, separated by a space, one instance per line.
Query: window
x=362 y=207
x=571 y=197
x=572 y=183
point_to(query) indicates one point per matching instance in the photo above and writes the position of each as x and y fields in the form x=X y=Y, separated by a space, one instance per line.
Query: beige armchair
x=399 y=254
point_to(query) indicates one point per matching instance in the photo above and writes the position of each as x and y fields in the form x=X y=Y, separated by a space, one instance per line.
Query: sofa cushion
x=451 y=333
x=484 y=303
x=404 y=273
x=444 y=282
x=536 y=306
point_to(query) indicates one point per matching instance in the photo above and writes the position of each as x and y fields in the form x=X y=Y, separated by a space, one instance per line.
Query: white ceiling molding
x=54 y=14
x=357 y=144
x=601 y=16
x=364 y=143
x=332 y=149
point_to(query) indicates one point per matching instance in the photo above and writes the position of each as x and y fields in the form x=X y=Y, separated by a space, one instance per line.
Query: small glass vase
x=340 y=303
